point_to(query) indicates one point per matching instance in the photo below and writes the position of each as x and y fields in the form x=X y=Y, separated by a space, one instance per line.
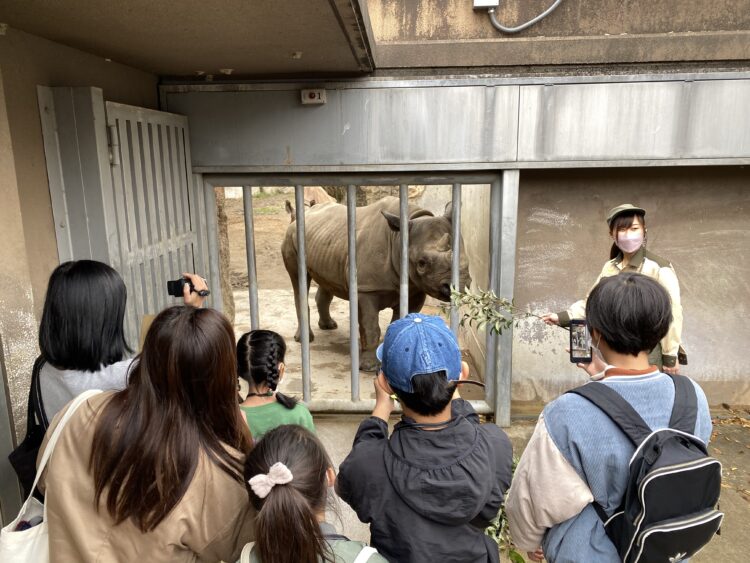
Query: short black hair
x=631 y=311
x=431 y=393
x=81 y=327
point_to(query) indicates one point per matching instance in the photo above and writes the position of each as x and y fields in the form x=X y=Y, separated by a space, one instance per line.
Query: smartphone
x=580 y=342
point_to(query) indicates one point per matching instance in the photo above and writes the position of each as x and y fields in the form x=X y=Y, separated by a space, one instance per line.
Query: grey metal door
x=153 y=205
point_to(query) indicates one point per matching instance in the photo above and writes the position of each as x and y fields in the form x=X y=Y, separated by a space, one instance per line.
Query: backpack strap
x=365 y=554
x=616 y=408
x=685 y=408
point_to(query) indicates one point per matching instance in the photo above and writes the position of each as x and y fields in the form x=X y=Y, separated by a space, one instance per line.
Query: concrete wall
x=449 y=33
x=698 y=218
x=29 y=249
x=27 y=61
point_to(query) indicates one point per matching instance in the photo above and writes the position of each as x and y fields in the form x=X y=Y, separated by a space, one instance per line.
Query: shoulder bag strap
x=616 y=408
x=685 y=408
x=246 y=551
x=365 y=554
x=36 y=393
x=77 y=402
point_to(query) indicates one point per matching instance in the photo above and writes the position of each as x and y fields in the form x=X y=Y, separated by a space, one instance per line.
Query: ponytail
x=287 y=529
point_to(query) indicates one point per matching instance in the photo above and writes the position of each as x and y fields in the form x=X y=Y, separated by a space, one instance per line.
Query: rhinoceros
x=378 y=263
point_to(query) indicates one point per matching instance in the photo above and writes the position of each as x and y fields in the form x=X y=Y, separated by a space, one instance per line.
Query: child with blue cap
x=429 y=490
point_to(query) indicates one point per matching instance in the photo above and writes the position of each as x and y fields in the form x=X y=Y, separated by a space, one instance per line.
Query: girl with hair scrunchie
x=260 y=362
x=288 y=475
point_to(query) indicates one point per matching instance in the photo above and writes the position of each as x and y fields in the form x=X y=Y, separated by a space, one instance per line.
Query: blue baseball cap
x=415 y=345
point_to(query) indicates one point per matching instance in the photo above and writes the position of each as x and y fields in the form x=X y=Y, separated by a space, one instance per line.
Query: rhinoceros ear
x=394 y=221
x=448 y=213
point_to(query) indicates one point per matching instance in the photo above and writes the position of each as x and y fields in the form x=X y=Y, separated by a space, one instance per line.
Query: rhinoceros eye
x=422 y=263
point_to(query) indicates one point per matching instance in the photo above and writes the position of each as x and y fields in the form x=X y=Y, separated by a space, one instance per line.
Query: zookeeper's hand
x=191 y=297
x=551 y=319
x=674 y=370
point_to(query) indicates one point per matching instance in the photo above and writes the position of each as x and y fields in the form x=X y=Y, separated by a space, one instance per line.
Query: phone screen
x=580 y=342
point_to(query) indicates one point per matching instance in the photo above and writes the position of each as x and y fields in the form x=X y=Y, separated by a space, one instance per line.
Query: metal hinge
x=114 y=145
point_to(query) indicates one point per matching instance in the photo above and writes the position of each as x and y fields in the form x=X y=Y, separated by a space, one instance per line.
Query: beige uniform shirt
x=651 y=265
x=210 y=523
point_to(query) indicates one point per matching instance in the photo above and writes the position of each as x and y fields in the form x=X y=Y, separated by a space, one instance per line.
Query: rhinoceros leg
x=369 y=331
x=416 y=302
x=323 y=299
x=297 y=304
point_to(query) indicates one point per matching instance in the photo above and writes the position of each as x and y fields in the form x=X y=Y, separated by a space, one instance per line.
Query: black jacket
x=428 y=495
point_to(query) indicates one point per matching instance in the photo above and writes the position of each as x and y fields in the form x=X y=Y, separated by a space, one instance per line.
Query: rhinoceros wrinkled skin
x=378 y=263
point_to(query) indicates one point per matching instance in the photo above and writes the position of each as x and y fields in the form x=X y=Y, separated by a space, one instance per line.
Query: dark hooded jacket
x=428 y=495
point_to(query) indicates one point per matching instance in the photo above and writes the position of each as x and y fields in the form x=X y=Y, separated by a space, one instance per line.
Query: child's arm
x=383 y=402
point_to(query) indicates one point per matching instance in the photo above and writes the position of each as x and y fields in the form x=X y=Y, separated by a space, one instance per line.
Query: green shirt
x=266 y=417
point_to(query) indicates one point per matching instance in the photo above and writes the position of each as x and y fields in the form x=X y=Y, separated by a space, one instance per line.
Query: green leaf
x=515 y=557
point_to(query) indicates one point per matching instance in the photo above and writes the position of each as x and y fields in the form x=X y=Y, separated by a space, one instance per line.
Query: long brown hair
x=287 y=528
x=181 y=400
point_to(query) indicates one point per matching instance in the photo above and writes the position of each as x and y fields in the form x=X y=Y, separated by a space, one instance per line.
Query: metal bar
x=160 y=263
x=456 y=249
x=386 y=178
x=178 y=190
x=491 y=339
x=252 y=273
x=505 y=282
x=212 y=231
x=118 y=187
x=351 y=229
x=343 y=406
x=304 y=311
x=135 y=290
x=403 y=299
x=394 y=82
x=155 y=282
x=166 y=141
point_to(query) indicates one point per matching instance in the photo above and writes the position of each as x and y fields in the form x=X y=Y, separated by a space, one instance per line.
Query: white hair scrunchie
x=262 y=484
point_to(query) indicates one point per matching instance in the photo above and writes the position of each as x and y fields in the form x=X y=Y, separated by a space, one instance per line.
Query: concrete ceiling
x=252 y=37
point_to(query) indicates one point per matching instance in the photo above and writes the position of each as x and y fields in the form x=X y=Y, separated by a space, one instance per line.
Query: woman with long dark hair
x=627 y=229
x=288 y=477
x=81 y=335
x=260 y=362
x=154 y=472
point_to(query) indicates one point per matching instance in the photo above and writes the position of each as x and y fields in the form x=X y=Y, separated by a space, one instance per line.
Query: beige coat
x=651 y=265
x=212 y=522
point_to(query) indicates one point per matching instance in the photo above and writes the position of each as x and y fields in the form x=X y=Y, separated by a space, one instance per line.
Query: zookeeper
x=627 y=229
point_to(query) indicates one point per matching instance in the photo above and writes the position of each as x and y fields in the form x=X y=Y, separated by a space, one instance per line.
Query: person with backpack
x=611 y=437
x=430 y=489
x=288 y=475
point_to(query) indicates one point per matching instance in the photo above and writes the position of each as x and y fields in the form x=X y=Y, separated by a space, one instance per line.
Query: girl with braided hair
x=260 y=362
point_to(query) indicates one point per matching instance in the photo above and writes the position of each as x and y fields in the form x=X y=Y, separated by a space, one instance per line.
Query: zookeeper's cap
x=415 y=345
x=624 y=208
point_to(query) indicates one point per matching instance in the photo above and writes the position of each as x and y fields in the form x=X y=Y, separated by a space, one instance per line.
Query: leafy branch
x=484 y=309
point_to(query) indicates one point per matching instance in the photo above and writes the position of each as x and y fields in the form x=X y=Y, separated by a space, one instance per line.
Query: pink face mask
x=630 y=242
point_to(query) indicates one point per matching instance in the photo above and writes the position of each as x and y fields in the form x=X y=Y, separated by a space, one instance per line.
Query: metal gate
x=123 y=193
x=503 y=214
x=155 y=206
